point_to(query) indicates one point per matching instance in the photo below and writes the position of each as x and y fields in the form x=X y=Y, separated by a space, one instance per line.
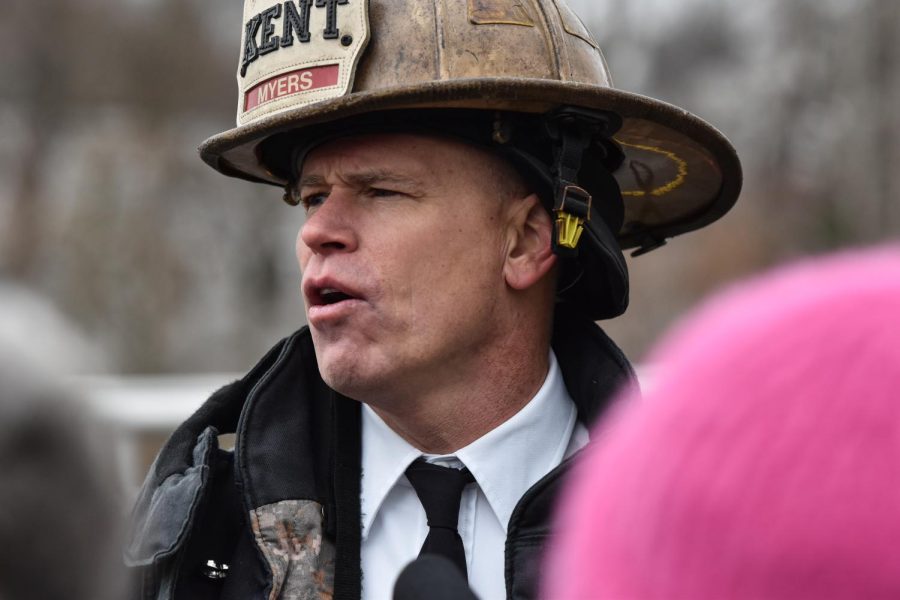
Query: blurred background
x=144 y=275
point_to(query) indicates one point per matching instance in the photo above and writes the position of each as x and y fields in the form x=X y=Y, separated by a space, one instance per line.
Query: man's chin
x=350 y=385
x=348 y=374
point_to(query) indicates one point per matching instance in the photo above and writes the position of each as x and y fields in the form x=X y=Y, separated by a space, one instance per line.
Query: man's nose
x=328 y=228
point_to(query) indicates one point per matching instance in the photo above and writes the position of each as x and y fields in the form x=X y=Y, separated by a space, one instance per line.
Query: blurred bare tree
x=105 y=207
x=807 y=92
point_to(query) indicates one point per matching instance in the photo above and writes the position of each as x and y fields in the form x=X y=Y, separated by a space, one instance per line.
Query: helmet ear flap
x=569 y=160
x=589 y=208
x=608 y=203
x=596 y=283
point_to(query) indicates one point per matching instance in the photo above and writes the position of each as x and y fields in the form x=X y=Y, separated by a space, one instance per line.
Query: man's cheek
x=301 y=250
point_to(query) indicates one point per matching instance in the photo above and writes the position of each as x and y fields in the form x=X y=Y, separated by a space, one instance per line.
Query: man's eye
x=311 y=201
x=382 y=193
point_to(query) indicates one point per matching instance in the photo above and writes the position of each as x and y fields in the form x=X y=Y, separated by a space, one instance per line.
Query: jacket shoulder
x=189 y=502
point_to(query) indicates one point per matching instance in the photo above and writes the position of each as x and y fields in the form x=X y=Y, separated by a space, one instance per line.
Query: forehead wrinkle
x=361 y=179
x=373 y=176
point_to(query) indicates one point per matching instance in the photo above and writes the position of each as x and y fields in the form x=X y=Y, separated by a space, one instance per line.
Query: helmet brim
x=679 y=172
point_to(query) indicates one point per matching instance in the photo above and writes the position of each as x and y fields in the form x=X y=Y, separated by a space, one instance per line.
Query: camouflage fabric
x=289 y=534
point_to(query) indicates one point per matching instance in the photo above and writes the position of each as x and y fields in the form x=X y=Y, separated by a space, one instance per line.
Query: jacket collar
x=297 y=439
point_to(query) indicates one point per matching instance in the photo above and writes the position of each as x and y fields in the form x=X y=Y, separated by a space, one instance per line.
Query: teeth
x=329 y=291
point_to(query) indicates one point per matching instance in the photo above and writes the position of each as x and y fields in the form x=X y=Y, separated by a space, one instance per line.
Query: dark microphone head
x=433 y=577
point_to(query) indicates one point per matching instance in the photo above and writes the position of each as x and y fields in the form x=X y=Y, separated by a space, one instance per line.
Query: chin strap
x=572 y=131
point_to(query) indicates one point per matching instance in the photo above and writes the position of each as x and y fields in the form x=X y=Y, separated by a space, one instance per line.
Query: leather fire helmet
x=523 y=77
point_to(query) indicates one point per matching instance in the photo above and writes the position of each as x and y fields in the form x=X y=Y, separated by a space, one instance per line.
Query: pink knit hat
x=764 y=462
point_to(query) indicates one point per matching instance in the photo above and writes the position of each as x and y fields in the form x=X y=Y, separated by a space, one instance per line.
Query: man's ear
x=529 y=255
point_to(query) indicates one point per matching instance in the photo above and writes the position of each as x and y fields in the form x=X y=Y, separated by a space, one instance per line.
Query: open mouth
x=329 y=296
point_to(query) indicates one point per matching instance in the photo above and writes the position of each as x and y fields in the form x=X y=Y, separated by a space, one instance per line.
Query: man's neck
x=467 y=405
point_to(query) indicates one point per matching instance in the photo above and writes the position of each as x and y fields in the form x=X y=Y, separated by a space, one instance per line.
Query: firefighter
x=469 y=180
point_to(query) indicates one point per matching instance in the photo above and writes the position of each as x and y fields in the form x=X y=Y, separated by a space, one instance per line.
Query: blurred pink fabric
x=765 y=460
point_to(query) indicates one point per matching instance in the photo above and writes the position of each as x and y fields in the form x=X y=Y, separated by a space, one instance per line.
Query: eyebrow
x=361 y=179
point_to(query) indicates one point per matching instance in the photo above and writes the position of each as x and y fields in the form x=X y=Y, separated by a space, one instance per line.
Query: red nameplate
x=288 y=84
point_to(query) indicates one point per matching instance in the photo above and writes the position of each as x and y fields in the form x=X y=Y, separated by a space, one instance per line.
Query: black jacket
x=282 y=510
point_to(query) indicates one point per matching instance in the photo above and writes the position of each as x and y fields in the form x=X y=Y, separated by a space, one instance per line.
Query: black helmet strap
x=572 y=131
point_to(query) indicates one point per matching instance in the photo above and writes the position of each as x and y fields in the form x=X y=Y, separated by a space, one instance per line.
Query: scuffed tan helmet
x=523 y=77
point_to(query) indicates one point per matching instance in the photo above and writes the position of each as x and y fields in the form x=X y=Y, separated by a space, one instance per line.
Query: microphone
x=434 y=577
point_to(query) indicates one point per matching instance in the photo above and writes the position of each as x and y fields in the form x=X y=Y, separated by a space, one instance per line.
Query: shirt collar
x=384 y=459
x=506 y=461
x=510 y=459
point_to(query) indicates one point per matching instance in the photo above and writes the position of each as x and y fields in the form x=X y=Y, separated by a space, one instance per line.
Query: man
x=463 y=167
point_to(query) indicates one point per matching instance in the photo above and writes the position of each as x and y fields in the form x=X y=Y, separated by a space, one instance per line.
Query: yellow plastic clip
x=568 y=230
x=569 y=227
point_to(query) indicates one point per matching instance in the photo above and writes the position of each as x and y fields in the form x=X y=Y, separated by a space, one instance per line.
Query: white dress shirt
x=505 y=462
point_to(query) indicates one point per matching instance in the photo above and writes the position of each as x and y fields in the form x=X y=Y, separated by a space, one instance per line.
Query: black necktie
x=440 y=491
